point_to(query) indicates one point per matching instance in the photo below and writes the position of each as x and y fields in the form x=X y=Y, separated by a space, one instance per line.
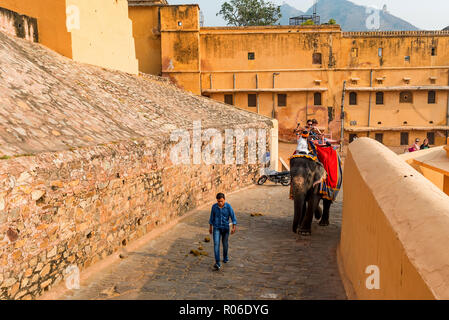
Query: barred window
x=282 y=100
x=379 y=137
x=252 y=100
x=431 y=137
x=317 y=98
x=431 y=97
x=229 y=99
x=353 y=98
x=404 y=138
x=316 y=58
x=379 y=98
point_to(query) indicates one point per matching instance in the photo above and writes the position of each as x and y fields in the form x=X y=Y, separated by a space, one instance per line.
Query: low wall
x=395 y=219
x=77 y=207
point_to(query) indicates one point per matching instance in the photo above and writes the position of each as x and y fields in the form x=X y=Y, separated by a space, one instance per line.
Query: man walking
x=219 y=227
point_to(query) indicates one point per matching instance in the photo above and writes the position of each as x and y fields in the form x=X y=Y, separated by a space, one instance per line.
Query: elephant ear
x=320 y=175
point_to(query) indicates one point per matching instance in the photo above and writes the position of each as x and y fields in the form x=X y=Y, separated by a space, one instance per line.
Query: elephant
x=306 y=175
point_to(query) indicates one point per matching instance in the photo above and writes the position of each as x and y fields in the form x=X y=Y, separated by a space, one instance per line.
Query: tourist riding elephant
x=306 y=176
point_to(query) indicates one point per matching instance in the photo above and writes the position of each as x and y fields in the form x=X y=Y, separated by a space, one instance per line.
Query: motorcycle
x=276 y=177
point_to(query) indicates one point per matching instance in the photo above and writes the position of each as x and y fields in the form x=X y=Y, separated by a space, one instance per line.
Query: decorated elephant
x=314 y=176
x=306 y=178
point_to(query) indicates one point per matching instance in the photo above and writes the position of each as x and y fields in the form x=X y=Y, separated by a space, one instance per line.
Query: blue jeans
x=224 y=235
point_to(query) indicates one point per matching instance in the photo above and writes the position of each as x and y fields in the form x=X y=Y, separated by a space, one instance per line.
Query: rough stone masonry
x=85 y=162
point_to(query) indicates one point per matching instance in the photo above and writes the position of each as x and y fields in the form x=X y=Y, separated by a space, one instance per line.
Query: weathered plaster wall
x=101 y=34
x=392 y=139
x=395 y=219
x=105 y=37
x=180 y=38
x=147 y=38
x=51 y=21
x=395 y=47
x=288 y=51
x=18 y=25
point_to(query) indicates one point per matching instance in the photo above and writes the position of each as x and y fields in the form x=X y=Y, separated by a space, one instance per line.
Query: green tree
x=250 y=13
x=332 y=21
x=308 y=23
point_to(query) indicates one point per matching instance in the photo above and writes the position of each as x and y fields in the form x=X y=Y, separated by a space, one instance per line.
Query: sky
x=426 y=15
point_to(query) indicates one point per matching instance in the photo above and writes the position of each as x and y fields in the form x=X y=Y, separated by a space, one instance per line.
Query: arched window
x=353 y=98
x=379 y=98
x=406 y=97
x=317 y=98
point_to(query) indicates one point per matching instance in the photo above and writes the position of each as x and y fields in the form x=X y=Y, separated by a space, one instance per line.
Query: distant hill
x=288 y=12
x=446 y=29
x=349 y=16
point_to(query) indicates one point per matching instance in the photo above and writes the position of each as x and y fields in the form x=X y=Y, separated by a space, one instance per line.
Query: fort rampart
x=395 y=220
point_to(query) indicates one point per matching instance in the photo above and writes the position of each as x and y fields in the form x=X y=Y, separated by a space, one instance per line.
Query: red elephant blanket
x=331 y=162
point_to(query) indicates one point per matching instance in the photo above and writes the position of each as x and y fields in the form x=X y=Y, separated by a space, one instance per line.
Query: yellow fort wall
x=104 y=36
x=285 y=54
x=147 y=37
x=180 y=34
x=395 y=219
x=167 y=40
x=283 y=64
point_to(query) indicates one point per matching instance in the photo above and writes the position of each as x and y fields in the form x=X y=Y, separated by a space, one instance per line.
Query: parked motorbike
x=276 y=177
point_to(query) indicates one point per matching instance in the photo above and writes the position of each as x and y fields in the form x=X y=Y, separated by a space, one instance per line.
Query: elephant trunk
x=299 y=204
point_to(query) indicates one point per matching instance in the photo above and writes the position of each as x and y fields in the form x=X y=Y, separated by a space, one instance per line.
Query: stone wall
x=85 y=163
x=77 y=207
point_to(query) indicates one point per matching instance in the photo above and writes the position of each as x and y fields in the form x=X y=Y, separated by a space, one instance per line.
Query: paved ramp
x=268 y=261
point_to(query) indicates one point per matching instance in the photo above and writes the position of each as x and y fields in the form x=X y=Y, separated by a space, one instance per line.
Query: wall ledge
x=416 y=211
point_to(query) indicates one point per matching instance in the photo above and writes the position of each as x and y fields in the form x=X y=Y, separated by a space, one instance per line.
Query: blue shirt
x=219 y=217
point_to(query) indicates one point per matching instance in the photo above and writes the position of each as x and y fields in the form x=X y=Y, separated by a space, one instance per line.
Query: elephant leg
x=298 y=204
x=306 y=226
x=303 y=212
x=318 y=211
x=326 y=208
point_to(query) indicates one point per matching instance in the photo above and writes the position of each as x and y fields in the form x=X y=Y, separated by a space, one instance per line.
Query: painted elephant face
x=306 y=174
x=300 y=184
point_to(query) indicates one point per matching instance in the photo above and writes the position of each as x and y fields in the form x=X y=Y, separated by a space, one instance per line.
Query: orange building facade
x=397 y=83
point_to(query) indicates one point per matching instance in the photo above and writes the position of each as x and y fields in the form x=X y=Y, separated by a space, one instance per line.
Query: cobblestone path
x=267 y=260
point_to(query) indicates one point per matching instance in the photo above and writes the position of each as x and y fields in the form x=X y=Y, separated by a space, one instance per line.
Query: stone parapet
x=394 y=228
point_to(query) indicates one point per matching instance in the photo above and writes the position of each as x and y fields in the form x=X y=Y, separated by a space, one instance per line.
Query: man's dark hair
x=220 y=196
x=314 y=121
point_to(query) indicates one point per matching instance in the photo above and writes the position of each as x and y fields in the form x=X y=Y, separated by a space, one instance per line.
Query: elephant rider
x=303 y=145
x=308 y=127
x=315 y=133
x=305 y=142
